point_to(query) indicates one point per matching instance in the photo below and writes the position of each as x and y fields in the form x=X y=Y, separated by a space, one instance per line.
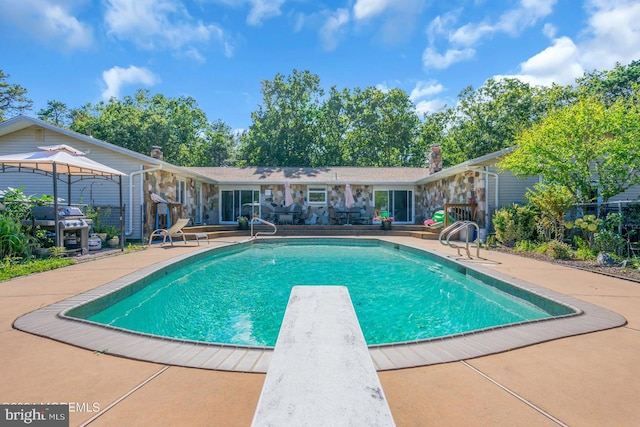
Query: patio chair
x=175 y=231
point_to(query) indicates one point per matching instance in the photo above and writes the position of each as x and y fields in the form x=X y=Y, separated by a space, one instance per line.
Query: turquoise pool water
x=240 y=296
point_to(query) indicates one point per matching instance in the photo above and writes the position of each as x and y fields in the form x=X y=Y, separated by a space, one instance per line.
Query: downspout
x=141 y=172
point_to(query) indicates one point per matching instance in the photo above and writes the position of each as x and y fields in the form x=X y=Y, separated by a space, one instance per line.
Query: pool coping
x=50 y=322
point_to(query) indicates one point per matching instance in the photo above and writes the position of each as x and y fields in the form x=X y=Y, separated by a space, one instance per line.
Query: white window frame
x=316 y=190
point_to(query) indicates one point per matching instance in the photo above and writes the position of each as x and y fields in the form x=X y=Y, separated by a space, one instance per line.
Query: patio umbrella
x=348 y=196
x=288 y=199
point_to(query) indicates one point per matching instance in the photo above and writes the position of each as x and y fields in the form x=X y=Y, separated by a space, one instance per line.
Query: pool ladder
x=255 y=218
x=457 y=227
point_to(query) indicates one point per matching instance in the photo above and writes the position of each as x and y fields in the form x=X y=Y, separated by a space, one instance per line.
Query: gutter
x=141 y=172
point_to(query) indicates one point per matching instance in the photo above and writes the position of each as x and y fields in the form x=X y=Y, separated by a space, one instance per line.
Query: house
x=219 y=195
x=144 y=175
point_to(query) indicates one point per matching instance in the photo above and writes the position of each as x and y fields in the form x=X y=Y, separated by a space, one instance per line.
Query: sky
x=219 y=51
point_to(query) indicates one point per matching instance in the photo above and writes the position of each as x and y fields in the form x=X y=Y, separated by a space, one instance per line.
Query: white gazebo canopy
x=63 y=160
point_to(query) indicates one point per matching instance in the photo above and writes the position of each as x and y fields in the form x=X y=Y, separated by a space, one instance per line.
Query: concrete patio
x=582 y=380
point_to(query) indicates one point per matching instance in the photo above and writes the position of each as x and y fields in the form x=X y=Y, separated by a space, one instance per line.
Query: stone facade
x=466 y=187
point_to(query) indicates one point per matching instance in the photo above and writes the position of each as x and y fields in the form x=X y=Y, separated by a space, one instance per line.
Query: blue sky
x=219 y=51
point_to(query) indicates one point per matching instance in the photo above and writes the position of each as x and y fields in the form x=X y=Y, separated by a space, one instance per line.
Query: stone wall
x=462 y=188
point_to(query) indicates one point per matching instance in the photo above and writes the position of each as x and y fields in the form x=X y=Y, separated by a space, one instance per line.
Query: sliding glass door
x=399 y=204
x=235 y=203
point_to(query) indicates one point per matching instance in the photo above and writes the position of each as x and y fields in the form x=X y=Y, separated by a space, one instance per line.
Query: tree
x=488 y=119
x=56 y=113
x=611 y=85
x=13 y=98
x=284 y=131
x=587 y=147
x=381 y=129
x=138 y=123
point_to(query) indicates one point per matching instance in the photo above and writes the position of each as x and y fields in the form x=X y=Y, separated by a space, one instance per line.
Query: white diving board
x=321 y=373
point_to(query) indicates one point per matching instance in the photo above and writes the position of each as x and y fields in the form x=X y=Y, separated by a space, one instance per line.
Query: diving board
x=321 y=372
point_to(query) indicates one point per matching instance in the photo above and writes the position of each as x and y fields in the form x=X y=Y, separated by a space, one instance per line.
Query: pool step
x=321 y=372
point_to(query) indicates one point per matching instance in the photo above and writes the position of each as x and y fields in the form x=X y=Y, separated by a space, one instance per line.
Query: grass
x=10 y=271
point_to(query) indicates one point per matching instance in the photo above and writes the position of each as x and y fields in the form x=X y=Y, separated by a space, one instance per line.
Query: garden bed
x=628 y=273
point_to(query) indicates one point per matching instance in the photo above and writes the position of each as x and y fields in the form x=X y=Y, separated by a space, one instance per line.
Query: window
x=399 y=204
x=235 y=203
x=317 y=196
x=181 y=189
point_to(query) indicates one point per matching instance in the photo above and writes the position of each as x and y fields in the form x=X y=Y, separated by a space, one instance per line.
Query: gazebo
x=66 y=164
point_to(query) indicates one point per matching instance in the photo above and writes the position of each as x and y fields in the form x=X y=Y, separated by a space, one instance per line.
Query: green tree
x=56 y=112
x=284 y=131
x=141 y=121
x=381 y=129
x=610 y=85
x=488 y=119
x=587 y=147
x=13 y=98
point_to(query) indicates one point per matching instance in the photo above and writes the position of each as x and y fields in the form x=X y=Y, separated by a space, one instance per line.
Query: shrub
x=583 y=251
x=14 y=244
x=556 y=250
x=552 y=201
x=525 y=246
x=609 y=242
x=514 y=223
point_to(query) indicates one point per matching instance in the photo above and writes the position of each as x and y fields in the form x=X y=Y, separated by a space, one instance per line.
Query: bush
x=608 y=241
x=14 y=244
x=556 y=250
x=514 y=223
x=525 y=246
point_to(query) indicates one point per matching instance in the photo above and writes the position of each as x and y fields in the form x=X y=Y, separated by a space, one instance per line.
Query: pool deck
x=584 y=380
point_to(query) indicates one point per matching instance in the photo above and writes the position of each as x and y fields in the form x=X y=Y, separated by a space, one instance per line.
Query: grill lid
x=70 y=211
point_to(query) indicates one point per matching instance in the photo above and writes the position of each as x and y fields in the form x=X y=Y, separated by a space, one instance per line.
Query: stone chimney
x=156 y=152
x=435 y=159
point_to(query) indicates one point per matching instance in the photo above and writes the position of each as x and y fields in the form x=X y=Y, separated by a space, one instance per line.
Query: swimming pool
x=54 y=322
x=239 y=297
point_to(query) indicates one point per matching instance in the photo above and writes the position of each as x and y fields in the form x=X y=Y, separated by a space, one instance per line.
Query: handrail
x=457 y=227
x=255 y=218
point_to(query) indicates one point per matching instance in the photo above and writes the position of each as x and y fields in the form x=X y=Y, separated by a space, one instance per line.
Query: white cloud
x=50 y=23
x=154 y=24
x=263 y=9
x=432 y=59
x=365 y=9
x=333 y=28
x=425 y=89
x=463 y=39
x=116 y=77
x=558 y=63
x=528 y=14
x=429 y=106
x=613 y=34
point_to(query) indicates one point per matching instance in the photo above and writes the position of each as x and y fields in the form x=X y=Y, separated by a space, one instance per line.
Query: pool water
x=239 y=297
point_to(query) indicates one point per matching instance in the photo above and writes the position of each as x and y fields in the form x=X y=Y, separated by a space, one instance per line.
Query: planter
x=102 y=236
x=386 y=225
x=42 y=253
x=243 y=225
x=113 y=242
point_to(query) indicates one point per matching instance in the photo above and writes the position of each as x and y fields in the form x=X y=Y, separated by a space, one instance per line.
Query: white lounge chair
x=175 y=231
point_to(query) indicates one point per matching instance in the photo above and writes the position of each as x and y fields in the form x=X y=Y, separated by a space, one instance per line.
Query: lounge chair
x=175 y=231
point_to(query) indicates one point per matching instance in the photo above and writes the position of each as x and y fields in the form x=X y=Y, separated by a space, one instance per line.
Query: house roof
x=321 y=176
